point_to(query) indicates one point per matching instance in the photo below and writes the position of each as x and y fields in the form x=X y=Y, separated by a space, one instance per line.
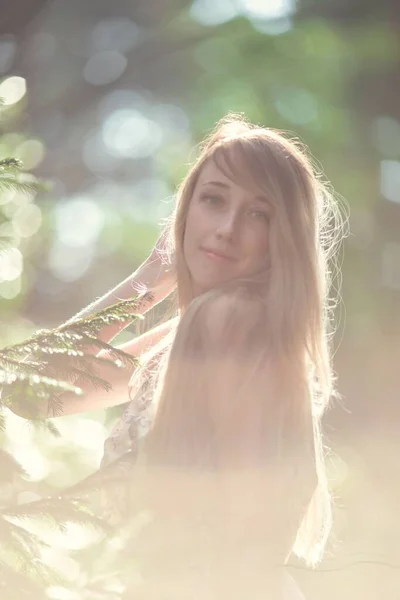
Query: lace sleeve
x=133 y=424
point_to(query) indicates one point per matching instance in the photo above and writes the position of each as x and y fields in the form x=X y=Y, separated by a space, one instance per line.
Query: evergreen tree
x=36 y=373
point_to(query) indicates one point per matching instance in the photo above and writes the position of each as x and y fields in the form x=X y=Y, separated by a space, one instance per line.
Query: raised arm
x=155 y=275
x=97 y=399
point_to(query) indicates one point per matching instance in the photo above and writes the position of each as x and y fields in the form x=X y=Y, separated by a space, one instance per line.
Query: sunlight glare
x=212 y=12
x=69 y=263
x=79 y=221
x=268 y=9
x=11 y=264
x=104 y=67
x=27 y=220
x=12 y=90
x=127 y=133
x=10 y=289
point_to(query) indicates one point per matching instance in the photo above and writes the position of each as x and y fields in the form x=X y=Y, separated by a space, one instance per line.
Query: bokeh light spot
x=118 y=34
x=390 y=180
x=297 y=105
x=69 y=264
x=11 y=264
x=151 y=200
x=31 y=153
x=6 y=197
x=10 y=289
x=27 y=220
x=32 y=460
x=272 y=27
x=129 y=134
x=12 y=90
x=386 y=136
x=104 y=67
x=215 y=55
x=268 y=9
x=57 y=592
x=96 y=156
x=174 y=124
x=78 y=222
x=121 y=99
x=214 y=12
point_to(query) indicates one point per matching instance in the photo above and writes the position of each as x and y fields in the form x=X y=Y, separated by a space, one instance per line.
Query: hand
x=163 y=250
x=158 y=273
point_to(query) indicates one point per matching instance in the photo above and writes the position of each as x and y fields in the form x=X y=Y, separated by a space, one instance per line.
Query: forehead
x=211 y=172
x=238 y=166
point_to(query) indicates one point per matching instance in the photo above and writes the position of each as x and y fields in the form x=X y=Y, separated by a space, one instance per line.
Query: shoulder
x=238 y=301
x=226 y=314
x=146 y=341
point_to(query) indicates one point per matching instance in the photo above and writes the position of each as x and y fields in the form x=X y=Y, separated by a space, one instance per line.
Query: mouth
x=217 y=255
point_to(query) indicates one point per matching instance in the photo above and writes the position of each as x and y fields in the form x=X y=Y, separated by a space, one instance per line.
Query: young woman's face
x=226 y=234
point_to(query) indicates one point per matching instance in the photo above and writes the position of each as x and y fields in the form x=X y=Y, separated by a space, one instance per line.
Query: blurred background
x=106 y=101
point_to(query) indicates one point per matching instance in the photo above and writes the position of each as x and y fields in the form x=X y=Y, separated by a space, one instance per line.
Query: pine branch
x=59 y=355
x=32 y=382
x=43 y=369
x=21 y=390
x=11 y=183
x=16 y=536
x=121 y=312
x=97 y=382
x=21 y=550
x=19 y=587
x=58 y=512
x=43 y=338
x=39 y=369
x=10 y=468
x=47 y=424
x=71 y=365
x=12 y=177
x=12 y=364
x=10 y=165
x=115 y=472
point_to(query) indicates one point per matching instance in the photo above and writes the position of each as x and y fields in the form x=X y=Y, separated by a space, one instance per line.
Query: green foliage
x=326 y=78
x=33 y=374
x=13 y=179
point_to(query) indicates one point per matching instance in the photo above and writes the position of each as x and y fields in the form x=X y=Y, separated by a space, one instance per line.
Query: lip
x=217 y=255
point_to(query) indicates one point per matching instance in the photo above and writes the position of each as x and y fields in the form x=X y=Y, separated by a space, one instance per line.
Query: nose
x=228 y=226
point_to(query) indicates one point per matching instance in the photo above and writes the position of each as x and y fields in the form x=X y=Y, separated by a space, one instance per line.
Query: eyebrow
x=226 y=186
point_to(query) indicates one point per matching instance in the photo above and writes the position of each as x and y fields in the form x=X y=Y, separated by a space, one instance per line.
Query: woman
x=232 y=389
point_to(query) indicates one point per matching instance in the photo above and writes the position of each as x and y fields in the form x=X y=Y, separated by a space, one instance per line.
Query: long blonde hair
x=289 y=328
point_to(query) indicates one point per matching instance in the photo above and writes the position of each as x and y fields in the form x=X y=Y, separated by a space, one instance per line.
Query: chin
x=205 y=279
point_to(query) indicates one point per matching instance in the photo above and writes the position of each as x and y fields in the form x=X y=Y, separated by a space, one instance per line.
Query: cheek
x=258 y=247
x=195 y=226
x=190 y=234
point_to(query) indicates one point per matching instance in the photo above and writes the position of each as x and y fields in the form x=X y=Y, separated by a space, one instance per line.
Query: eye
x=259 y=215
x=211 y=199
